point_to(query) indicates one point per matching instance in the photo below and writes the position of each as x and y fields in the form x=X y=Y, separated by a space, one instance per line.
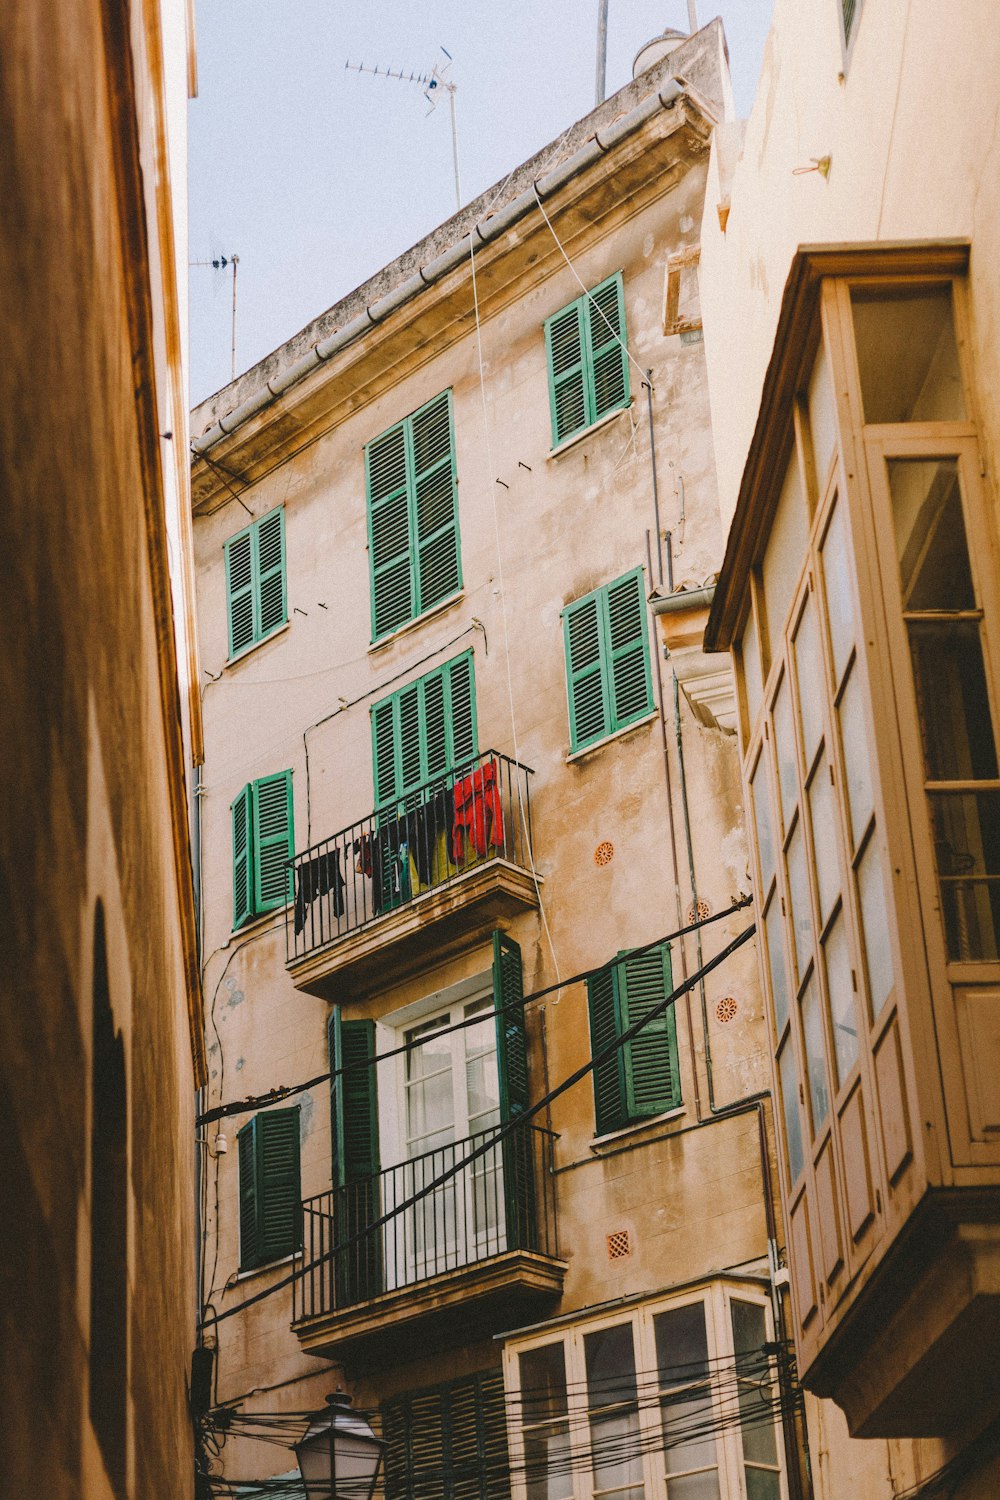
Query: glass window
x=931 y=546
x=786 y=550
x=762 y=818
x=812 y=1032
x=759 y=1396
x=857 y=762
x=773 y=930
x=686 y=1403
x=840 y=988
x=952 y=700
x=875 y=922
x=612 y=1400
x=823 y=813
x=966 y=829
x=784 y=749
x=908 y=356
x=809 y=680
x=545 y=1416
x=788 y=1075
x=822 y=416
x=840 y=609
x=752 y=679
x=798 y=891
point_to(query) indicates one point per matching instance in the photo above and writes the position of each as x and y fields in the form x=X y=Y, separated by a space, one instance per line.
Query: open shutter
x=609 y=1076
x=652 y=1084
x=242 y=858
x=435 y=502
x=565 y=345
x=279 y=1192
x=512 y=1070
x=249 y=1247
x=269 y=545
x=609 y=384
x=239 y=590
x=274 y=842
x=589 y=716
x=384 y=752
x=630 y=685
x=389 y=531
x=461 y=702
x=355 y=1157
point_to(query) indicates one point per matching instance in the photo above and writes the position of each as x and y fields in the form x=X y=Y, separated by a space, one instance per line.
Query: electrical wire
x=274 y=1096
x=493 y=1140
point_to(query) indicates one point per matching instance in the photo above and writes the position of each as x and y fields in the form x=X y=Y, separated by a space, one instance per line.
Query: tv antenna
x=433 y=82
x=220 y=263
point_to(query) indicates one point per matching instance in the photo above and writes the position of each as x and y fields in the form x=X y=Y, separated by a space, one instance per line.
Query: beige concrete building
x=851 y=235
x=101 y=1028
x=443 y=537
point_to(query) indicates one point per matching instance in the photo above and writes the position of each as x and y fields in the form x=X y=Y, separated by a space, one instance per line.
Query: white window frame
x=716 y=1297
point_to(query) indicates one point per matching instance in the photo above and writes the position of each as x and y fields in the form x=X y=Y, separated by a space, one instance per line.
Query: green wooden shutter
x=435 y=502
x=384 y=751
x=389 y=531
x=240 y=590
x=609 y=1076
x=608 y=386
x=631 y=690
x=279 y=1191
x=850 y=9
x=249 y=1245
x=242 y=857
x=410 y=756
x=461 y=711
x=652 y=1081
x=589 y=708
x=424 y=730
x=273 y=840
x=448 y=1442
x=354 y=1156
x=512 y=1070
x=565 y=346
x=269 y=549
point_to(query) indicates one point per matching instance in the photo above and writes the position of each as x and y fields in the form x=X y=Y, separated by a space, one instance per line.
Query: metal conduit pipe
x=448 y=260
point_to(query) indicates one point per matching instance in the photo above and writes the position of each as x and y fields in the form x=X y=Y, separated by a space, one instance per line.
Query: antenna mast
x=430 y=82
x=602 y=51
x=219 y=263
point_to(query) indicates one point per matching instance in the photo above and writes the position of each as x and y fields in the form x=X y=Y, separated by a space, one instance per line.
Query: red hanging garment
x=478 y=813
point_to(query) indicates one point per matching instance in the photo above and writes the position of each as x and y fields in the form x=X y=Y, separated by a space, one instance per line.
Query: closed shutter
x=589 y=710
x=512 y=1070
x=274 y=840
x=652 y=1083
x=249 y=1247
x=609 y=384
x=384 y=751
x=461 y=712
x=270 y=1189
x=423 y=731
x=610 y=1107
x=256 y=594
x=355 y=1157
x=448 y=1442
x=435 y=503
x=389 y=531
x=269 y=540
x=564 y=342
x=239 y=590
x=631 y=687
x=242 y=857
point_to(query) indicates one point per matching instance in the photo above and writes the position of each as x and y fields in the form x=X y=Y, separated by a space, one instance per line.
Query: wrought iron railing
x=478 y=812
x=502 y=1201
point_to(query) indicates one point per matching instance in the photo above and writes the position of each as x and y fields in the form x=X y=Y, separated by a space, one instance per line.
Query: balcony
x=480 y=1247
x=427 y=874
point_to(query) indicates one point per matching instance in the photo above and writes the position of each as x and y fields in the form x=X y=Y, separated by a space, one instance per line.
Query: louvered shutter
x=249 y=1247
x=565 y=346
x=279 y=1193
x=609 y=1076
x=461 y=709
x=273 y=838
x=652 y=1083
x=269 y=545
x=849 y=8
x=240 y=590
x=435 y=749
x=389 y=531
x=608 y=360
x=512 y=1070
x=448 y=1442
x=628 y=658
x=410 y=754
x=492 y=1408
x=384 y=752
x=355 y=1157
x=589 y=709
x=242 y=857
x=430 y=1475
x=435 y=506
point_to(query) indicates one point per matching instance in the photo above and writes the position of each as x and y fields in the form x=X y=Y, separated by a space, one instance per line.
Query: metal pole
x=602 y=50
x=235 y=262
x=692 y=16
x=454 y=144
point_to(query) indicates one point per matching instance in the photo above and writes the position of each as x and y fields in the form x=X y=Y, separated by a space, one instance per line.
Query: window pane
x=546 y=1447
x=784 y=748
x=930 y=534
x=762 y=818
x=843 y=1011
x=543 y=1383
x=822 y=416
x=809 y=680
x=839 y=592
x=682 y=1363
x=812 y=1032
x=614 y=1421
x=798 y=891
x=549 y=1473
x=875 y=921
x=756 y=1381
x=825 y=843
x=763 y=1484
x=750 y=656
x=681 y=1345
x=790 y=1102
x=776 y=962
x=610 y=1366
x=857 y=763
x=908 y=357
x=966 y=828
x=953 y=705
x=786 y=550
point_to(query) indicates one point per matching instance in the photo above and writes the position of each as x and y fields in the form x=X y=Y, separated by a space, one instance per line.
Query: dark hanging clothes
x=424 y=827
x=318 y=877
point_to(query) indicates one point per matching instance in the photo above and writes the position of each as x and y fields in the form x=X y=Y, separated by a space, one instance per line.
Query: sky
x=316 y=176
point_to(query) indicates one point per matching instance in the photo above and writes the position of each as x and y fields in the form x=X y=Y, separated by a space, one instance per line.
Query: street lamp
x=339 y=1456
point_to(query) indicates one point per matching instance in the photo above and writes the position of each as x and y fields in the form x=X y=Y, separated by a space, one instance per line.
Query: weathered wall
x=93 y=783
